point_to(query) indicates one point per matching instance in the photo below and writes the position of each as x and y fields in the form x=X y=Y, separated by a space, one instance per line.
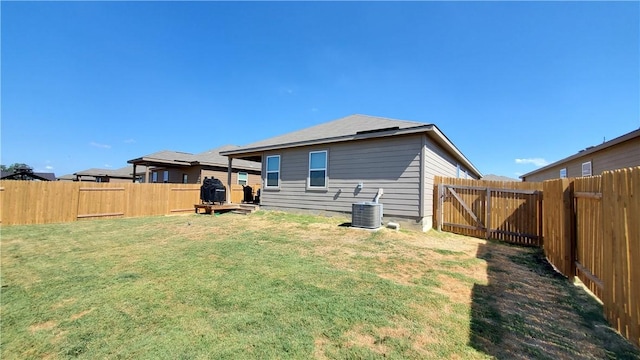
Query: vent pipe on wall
x=378 y=195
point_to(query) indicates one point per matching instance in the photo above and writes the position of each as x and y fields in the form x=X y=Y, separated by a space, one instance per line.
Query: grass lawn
x=276 y=285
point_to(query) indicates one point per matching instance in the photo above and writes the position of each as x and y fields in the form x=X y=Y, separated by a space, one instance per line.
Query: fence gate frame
x=578 y=241
x=446 y=191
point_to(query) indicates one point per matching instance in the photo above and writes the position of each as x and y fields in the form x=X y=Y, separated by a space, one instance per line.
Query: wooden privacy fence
x=40 y=202
x=591 y=229
x=501 y=210
x=588 y=227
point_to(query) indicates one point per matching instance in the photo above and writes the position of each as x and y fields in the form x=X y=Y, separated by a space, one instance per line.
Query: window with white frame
x=318 y=169
x=563 y=172
x=586 y=168
x=243 y=178
x=273 y=171
x=154 y=177
x=185 y=178
x=165 y=176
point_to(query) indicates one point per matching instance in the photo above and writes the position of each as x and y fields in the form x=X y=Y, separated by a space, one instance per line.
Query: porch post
x=134 y=172
x=229 y=171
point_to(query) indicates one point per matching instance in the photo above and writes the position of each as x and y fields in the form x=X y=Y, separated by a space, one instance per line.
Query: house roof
x=590 y=150
x=124 y=172
x=210 y=157
x=166 y=157
x=353 y=127
x=34 y=175
x=213 y=157
x=347 y=126
x=69 y=177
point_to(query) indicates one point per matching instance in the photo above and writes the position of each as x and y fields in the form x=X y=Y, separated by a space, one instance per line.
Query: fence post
x=487 y=218
x=570 y=229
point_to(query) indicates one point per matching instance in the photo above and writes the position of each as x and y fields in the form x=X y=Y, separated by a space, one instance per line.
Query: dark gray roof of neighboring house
x=35 y=175
x=590 y=150
x=210 y=157
x=353 y=127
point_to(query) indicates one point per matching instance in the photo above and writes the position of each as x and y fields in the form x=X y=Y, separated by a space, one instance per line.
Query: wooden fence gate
x=510 y=212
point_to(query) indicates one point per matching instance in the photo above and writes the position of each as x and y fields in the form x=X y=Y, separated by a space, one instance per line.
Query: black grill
x=212 y=191
x=248 y=193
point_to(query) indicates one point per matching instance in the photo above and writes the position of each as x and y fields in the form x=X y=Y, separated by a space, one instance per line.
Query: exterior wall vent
x=366 y=215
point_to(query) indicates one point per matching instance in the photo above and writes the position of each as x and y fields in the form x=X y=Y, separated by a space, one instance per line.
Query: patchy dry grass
x=276 y=285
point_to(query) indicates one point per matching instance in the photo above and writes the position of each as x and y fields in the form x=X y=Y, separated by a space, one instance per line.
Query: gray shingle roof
x=210 y=157
x=67 y=177
x=213 y=157
x=124 y=172
x=353 y=127
x=169 y=156
x=345 y=126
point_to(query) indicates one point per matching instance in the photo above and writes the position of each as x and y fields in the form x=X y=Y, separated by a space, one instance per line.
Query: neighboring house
x=332 y=165
x=124 y=174
x=180 y=167
x=27 y=174
x=621 y=152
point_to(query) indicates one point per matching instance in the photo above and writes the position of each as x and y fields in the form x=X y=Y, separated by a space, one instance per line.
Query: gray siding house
x=621 y=152
x=328 y=167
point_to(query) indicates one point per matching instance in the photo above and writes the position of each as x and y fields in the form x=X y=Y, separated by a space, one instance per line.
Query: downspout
x=423 y=175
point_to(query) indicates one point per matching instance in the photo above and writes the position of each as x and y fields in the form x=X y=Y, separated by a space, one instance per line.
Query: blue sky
x=514 y=85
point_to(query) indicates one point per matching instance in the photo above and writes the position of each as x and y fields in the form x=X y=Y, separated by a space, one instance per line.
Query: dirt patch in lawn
x=47 y=325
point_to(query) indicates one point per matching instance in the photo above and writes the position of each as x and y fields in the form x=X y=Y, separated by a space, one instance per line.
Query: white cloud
x=129 y=141
x=107 y=165
x=534 y=161
x=102 y=146
x=49 y=167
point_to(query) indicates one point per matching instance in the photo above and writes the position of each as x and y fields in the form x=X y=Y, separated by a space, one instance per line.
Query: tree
x=12 y=168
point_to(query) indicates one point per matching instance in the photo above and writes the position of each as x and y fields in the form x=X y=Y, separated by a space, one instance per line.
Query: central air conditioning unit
x=366 y=215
